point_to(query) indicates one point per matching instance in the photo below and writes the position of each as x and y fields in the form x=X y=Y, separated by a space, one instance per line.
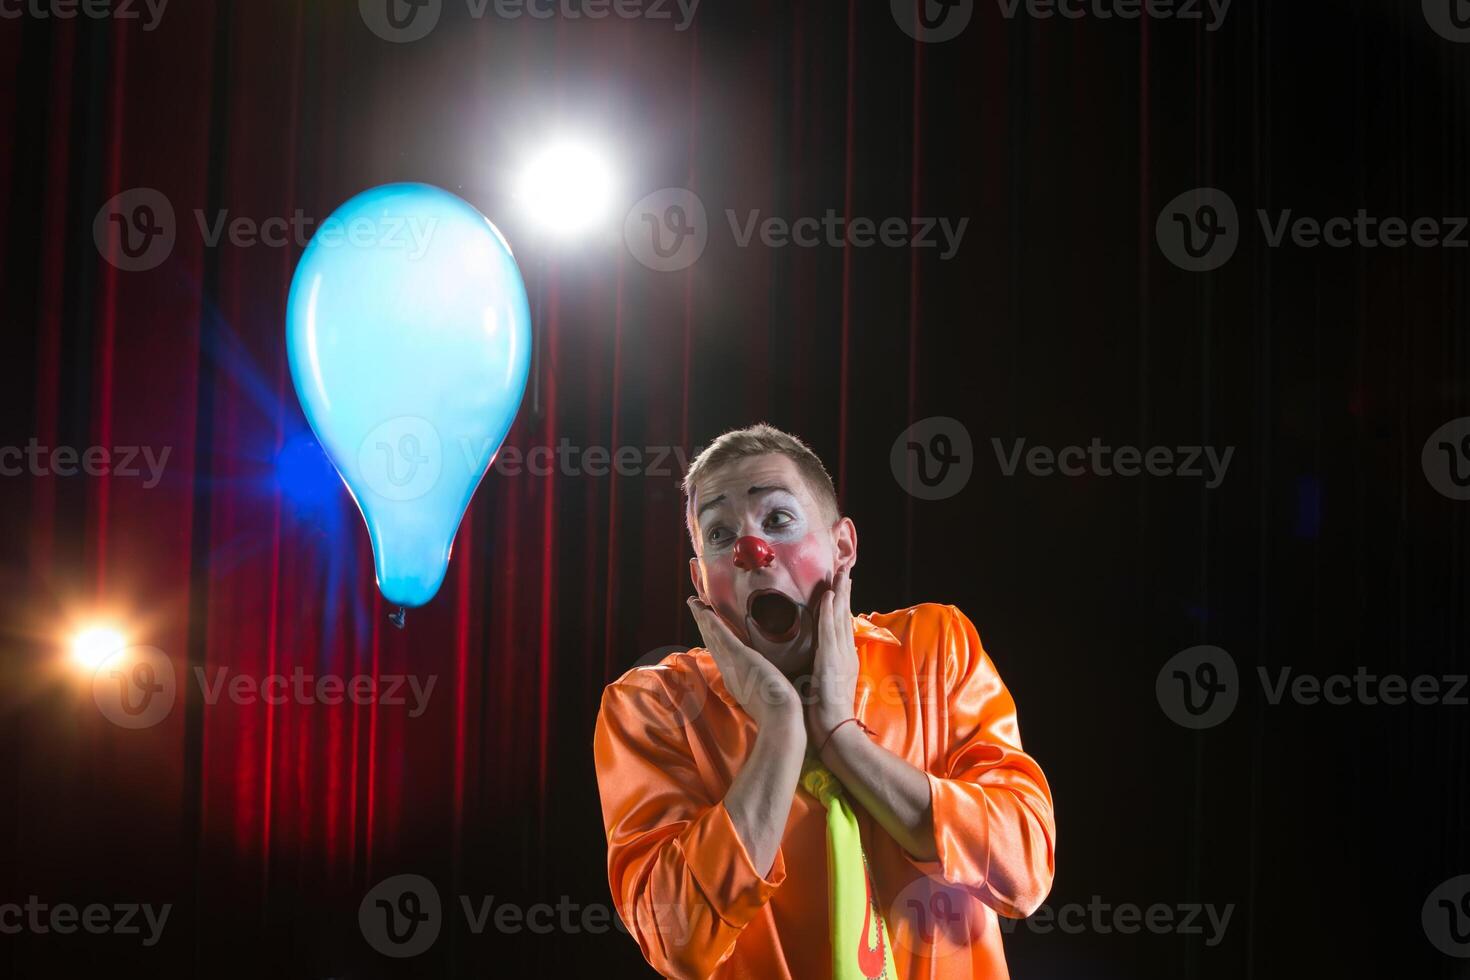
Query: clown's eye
x=717 y=535
x=779 y=519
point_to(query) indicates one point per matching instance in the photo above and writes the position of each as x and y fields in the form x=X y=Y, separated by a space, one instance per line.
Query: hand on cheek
x=765 y=694
x=835 y=668
x=719 y=594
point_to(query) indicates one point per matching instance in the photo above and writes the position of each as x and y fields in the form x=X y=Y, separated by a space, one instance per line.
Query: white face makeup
x=766 y=588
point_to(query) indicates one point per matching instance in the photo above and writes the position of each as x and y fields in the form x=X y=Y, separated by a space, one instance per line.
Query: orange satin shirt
x=670 y=738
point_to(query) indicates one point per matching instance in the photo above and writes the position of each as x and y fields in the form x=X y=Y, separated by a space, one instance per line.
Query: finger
x=826 y=613
x=716 y=631
x=708 y=624
x=697 y=610
x=709 y=630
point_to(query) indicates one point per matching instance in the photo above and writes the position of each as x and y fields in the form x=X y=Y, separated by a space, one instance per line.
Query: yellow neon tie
x=860 y=946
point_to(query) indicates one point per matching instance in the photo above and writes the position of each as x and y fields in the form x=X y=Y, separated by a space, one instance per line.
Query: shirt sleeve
x=681 y=879
x=994 y=829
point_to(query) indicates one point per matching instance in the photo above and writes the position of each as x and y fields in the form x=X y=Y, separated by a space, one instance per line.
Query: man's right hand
x=762 y=690
x=759 y=798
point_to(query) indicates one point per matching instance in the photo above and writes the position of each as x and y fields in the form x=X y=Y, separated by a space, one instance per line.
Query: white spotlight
x=566 y=188
x=91 y=647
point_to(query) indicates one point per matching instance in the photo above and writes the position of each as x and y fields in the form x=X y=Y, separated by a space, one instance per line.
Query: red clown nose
x=752 y=553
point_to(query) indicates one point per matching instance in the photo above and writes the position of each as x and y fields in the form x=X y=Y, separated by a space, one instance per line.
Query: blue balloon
x=409 y=339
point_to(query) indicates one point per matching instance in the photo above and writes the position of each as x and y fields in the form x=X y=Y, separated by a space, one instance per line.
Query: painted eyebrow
x=754 y=492
x=712 y=502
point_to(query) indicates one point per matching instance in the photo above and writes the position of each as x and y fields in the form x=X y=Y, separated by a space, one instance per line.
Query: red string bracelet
x=834 y=732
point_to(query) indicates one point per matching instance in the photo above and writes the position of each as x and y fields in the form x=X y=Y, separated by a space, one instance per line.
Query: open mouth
x=776 y=616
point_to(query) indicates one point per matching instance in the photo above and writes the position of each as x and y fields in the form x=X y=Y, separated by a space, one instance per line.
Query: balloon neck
x=399 y=618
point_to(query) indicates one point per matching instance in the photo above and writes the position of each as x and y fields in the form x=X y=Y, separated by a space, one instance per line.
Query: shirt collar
x=864 y=629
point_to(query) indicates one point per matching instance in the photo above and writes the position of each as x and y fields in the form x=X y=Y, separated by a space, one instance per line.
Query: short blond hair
x=761 y=440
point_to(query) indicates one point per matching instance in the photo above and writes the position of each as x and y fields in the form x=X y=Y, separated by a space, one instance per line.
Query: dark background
x=1326 y=548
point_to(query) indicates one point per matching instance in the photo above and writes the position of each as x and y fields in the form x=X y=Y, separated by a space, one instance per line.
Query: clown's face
x=765 y=550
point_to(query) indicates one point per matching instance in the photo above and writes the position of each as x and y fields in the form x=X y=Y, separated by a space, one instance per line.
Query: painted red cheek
x=806 y=561
x=719 y=582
